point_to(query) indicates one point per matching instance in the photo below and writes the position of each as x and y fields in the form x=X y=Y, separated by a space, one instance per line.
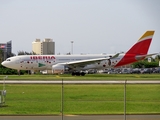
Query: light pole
x=72 y=47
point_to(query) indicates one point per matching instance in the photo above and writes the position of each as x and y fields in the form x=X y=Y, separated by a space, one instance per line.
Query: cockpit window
x=8 y=60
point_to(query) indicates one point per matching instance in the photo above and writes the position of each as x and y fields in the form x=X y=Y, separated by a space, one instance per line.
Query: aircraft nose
x=3 y=63
x=6 y=64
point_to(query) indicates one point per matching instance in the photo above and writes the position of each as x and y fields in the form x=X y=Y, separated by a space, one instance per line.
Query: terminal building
x=45 y=47
x=6 y=50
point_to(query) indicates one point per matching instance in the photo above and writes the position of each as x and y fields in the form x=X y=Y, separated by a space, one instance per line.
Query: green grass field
x=38 y=99
x=86 y=77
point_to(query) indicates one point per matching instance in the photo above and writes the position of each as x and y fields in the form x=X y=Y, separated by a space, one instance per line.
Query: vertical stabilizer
x=138 y=51
x=142 y=45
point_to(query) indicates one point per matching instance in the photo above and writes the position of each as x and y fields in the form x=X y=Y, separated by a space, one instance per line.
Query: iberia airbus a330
x=78 y=63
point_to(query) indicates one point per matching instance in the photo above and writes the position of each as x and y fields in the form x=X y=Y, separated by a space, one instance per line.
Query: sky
x=94 y=26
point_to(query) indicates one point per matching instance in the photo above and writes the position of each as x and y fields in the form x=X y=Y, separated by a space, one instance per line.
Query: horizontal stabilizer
x=139 y=57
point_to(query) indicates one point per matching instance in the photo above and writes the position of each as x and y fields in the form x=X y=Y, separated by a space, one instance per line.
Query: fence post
x=125 y=99
x=62 y=100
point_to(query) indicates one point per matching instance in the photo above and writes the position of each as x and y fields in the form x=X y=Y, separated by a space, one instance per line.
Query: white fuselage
x=45 y=62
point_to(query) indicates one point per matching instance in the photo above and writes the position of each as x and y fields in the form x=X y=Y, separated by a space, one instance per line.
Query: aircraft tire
x=83 y=74
x=73 y=73
x=78 y=73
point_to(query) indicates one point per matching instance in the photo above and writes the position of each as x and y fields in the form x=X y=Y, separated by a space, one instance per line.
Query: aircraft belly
x=96 y=66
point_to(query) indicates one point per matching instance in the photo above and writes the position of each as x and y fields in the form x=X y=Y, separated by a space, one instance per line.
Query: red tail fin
x=138 y=51
x=142 y=45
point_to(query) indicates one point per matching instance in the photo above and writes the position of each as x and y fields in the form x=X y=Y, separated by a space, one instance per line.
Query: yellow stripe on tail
x=146 y=34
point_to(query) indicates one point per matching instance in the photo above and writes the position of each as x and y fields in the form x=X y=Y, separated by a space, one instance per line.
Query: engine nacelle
x=58 y=68
x=109 y=62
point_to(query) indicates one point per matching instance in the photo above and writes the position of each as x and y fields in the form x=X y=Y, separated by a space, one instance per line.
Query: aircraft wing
x=83 y=63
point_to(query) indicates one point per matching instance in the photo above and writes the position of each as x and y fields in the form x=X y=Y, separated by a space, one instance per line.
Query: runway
x=83 y=117
x=77 y=82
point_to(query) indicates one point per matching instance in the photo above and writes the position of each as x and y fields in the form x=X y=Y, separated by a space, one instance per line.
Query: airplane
x=77 y=64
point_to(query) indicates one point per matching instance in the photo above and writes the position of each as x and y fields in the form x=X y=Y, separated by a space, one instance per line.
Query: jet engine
x=58 y=68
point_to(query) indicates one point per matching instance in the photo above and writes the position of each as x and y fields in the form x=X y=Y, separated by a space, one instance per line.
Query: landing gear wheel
x=83 y=74
x=73 y=73
x=78 y=74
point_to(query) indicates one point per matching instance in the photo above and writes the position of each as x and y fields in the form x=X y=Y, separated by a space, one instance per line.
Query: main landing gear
x=75 y=73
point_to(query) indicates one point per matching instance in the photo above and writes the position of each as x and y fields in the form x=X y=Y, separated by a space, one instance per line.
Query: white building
x=45 y=47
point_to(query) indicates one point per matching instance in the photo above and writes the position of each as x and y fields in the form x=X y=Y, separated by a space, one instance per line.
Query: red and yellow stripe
x=146 y=35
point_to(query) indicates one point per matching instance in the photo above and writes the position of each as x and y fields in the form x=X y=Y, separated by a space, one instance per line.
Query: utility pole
x=72 y=47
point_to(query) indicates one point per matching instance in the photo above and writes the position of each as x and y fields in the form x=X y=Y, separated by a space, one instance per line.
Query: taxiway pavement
x=83 y=117
x=77 y=82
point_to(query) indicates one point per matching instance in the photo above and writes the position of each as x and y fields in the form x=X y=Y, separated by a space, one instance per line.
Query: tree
x=145 y=64
x=157 y=58
x=26 y=53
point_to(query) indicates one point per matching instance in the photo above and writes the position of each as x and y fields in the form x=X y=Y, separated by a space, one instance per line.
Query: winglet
x=115 y=56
